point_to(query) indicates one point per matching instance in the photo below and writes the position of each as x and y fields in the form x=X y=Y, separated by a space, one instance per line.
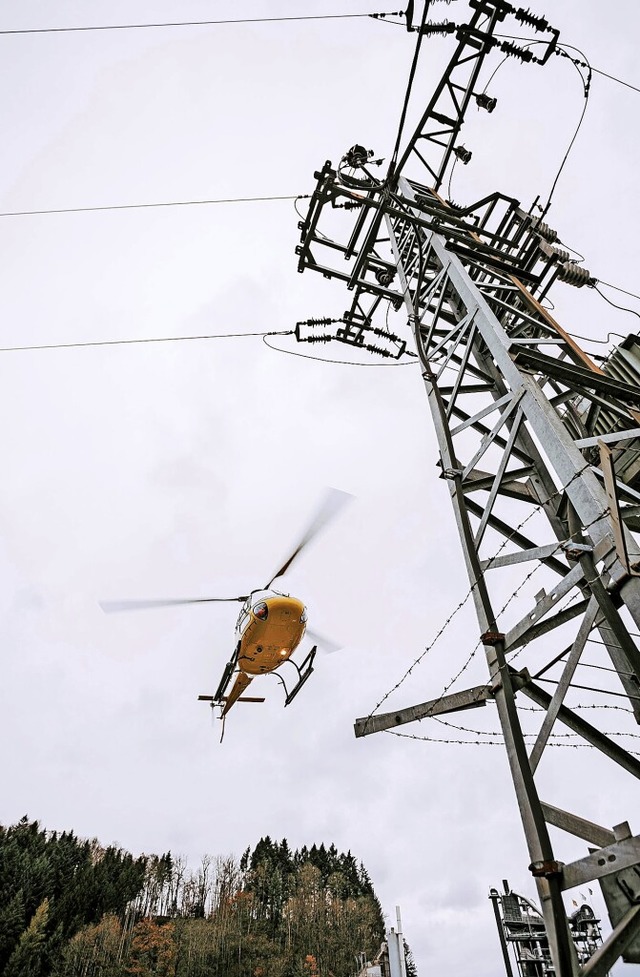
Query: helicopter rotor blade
x=325 y=644
x=114 y=606
x=332 y=502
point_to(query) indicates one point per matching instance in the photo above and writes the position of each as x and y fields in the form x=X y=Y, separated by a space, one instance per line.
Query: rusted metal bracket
x=546 y=870
x=491 y=638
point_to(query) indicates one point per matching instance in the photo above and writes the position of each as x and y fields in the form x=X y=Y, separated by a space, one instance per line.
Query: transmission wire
x=623 y=308
x=130 y=342
x=618 y=289
x=197 y=23
x=562 y=53
x=598 y=70
x=322 y=359
x=587 y=86
x=165 y=203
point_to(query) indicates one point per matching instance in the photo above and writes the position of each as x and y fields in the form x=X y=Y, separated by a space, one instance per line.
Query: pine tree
x=28 y=958
x=12 y=923
x=412 y=970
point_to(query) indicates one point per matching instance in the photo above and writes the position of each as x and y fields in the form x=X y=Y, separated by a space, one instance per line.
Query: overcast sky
x=189 y=469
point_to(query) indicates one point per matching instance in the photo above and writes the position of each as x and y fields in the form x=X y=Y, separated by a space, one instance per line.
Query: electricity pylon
x=538 y=445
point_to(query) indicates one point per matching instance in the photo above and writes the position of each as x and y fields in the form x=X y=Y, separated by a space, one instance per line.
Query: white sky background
x=189 y=469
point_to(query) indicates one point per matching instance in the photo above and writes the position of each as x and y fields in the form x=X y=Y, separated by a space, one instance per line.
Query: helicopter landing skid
x=304 y=671
x=226 y=676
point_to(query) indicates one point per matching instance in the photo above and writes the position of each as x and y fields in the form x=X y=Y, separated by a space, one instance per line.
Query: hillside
x=72 y=908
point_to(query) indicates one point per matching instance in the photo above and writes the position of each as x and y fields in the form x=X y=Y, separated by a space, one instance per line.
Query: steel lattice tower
x=537 y=445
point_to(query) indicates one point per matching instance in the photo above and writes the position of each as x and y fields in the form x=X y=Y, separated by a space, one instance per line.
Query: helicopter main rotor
x=332 y=502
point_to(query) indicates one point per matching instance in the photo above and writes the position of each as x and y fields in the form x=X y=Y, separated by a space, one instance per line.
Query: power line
x=322 y=359
x=623 y=308
x=598 y=71
x=196 y=23
x=618 y=289
x=586 y=86
x=166 y=203
x=560 y=52
x=613 y=78
x=161 y=339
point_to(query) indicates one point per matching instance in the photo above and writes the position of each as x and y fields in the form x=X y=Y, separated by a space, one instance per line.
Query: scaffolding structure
x=521 y=928
x=539 y=447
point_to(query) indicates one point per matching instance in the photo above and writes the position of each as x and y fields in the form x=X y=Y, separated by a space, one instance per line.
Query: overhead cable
x=164 y=203
x=623 y=308
x=196 y=23
x=131 y=342
x=598 y=71
x=586 y=86
x=560 y=52
x=322 y=359
x=618 y=289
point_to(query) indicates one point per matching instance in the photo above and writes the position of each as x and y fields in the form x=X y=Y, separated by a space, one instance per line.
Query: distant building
x=521 y=929
x=391 y=959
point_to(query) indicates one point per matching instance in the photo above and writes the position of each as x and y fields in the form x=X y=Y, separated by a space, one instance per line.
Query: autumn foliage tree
x=152 y=951
x=70 y=908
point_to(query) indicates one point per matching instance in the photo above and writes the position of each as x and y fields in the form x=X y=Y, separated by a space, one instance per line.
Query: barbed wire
x=536 y=509
x=500 y=742
x=526 y=735
x=580 y=706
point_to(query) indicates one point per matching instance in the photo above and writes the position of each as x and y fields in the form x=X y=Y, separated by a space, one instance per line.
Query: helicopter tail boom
x=240 y=684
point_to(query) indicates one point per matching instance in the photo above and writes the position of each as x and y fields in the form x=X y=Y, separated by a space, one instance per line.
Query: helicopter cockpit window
x=261 y=611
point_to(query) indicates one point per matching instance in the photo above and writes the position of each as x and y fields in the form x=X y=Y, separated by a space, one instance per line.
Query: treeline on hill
x=71 y=908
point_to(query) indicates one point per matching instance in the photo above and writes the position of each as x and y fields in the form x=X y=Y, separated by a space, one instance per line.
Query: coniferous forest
x=72 y=908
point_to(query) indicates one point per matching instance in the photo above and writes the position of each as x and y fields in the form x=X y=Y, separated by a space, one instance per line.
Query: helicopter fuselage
x=270 y=627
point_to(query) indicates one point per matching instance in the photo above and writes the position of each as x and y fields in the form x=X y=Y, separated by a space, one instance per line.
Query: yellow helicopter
x=269 y=628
